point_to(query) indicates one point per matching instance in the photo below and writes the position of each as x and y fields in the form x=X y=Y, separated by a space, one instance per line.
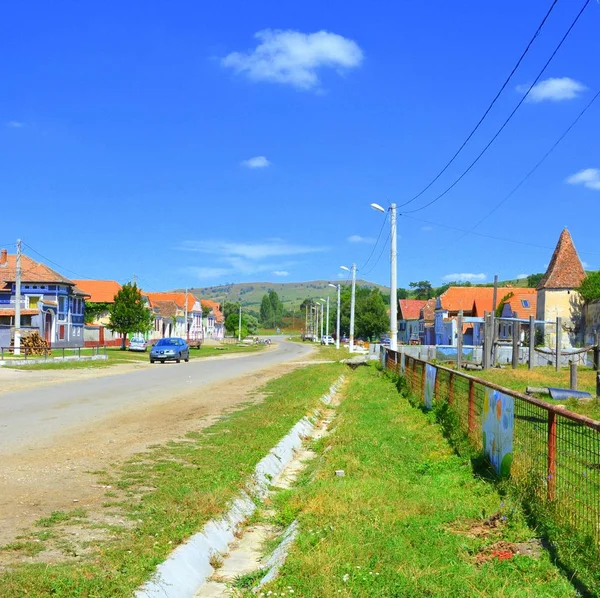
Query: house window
x=61 y=305
x=525 y=302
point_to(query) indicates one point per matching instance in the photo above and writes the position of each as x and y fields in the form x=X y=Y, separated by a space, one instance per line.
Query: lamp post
x=352 y=303
x=240 y=325
x=321 y=301
x=327 y=320
x=393 y=275
x=337 y=331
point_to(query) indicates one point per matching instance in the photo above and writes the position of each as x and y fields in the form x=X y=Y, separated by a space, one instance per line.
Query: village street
x=53 y=436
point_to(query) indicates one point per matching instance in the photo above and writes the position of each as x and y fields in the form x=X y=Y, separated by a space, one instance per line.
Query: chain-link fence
x=555 y=453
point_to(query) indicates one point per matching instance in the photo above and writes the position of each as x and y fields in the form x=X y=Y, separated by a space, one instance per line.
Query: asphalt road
x=36 y=415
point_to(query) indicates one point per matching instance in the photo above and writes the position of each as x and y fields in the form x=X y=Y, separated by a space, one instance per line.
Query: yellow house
x=557 y=297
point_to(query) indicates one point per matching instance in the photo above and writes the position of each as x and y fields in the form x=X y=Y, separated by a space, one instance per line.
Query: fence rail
x=50 y=353
x=555 y=452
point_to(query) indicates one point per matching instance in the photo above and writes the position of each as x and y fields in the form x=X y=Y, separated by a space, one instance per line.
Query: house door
x=48 y=328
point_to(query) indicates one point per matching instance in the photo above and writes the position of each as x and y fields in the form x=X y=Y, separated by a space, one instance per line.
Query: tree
x=266 y=311
x=230 y=307
x=129 y=314
x=277 y=308
x=533 y=280
x=370 y=312
x=95 y=309
x=402 y=293
x=590 y=287
x=422 y=289
x=249 y=324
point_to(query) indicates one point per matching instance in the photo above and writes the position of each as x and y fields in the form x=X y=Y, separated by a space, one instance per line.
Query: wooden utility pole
x=558 y=341
x=485 y=361
x=17 y=340
x=494 y=308
x=531 y=341
x=516 y=337
x=573 y=375
x=459 y=340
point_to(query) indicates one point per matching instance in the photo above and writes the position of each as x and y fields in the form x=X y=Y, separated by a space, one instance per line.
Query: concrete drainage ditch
x=206 y=564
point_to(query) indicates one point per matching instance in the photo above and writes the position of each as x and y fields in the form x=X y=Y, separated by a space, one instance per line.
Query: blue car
x=170 y=349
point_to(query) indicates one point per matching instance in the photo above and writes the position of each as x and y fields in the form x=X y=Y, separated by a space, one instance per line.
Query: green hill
x=290 y=293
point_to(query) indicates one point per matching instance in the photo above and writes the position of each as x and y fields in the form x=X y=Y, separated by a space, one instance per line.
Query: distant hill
x=290 y=293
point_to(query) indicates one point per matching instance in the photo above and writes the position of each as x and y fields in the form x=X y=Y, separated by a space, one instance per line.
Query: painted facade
x=408 y=319
x=169 y=310
x=51 y=304
x=213 y=326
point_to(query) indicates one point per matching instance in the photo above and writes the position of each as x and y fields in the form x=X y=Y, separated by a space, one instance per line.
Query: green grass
x=522 y=377
x=397 y=524
x=169 y=492
x=116 y=356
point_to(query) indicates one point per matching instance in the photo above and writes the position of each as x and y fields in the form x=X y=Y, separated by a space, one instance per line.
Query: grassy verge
x=522 y=377
x=116 y=356
x=165 y=495
x=408 y=518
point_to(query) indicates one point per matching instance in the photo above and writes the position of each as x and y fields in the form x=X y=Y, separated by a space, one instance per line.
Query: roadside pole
x=321 y=320
x=17 y=341
x=494 y=307
x=516 y=337
x=327 y=321
x=531 y=340
x=352 y=305
x=393 y=281
x=337 y=338
x=240 y=324
x=558 y=341
x=459 y=340
x=187 y=336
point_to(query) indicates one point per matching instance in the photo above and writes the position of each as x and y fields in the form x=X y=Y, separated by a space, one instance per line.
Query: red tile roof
x=565 y=270
x=529 y=296
x=100 y=291
x=24 y=312
x=177 y=298
x=31 y=271
x=166 y=309
x=428 y=310
x=476 y=300
x=214 y=307
x=409 y=309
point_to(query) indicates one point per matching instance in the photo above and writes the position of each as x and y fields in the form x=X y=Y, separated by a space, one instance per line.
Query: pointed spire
x=565 y=270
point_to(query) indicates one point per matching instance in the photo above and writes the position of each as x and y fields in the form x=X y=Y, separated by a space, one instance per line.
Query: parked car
x=138 y=344
x=327 y=339
x=170 y=349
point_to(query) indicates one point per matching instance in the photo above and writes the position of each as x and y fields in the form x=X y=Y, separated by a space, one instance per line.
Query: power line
x=53 y=262
x=383 y=248
x=480 y=155
x=493 y=102
x=376 y=242
x=495 y=238
x=540 y=162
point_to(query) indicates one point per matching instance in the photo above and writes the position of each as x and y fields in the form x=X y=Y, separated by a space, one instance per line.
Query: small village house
x=214 y=325
x=51 y=304
x=169 y=310
x=409 y=311
x=557 y=295
x=427 y=322
x=520 y=305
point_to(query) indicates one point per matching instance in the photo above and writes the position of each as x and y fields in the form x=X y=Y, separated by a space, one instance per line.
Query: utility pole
x=327 y=321
x=187 y=336
x=321 y=319
x=393 y=282
x=337 y=337
x=240 y=324
x=493 y=339
x=352 y=305
x=134 y=277
x=17 y=341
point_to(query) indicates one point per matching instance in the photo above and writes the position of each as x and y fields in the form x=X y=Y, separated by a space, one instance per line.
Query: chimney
x=3 y=257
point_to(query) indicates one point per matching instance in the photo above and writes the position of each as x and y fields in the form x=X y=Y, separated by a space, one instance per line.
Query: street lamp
x=337 y=331
x=393 y=275
x=322 y=302
x=352 y=302
x=240 y=325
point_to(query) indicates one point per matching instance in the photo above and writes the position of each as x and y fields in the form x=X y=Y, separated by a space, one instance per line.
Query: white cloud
x=589 y=177
x=521 y=276
x=251 y=251
x=244 y=259
x=359 y=239
x=464 y=277
x=555 y=89
x=256 y=162
x=427 y=229
x=586 y=266
x=15 y=124
x=293 y=58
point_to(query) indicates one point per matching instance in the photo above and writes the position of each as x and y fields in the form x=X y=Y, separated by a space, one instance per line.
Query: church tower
x=556 y=294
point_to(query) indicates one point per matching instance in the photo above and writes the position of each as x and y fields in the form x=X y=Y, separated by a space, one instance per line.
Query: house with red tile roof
x=170 y=311
x=409 y=311
x=557 y=294
x=473 y=302
x=427 y=321
x=214 y=322
x=51 y=304
x=101 y=296
x=520 y=305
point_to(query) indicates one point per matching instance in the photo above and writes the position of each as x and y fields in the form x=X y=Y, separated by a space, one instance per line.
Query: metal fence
x=49 y=353
x=555 y=452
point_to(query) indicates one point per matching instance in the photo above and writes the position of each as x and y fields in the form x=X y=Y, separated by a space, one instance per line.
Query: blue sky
x=196 y=143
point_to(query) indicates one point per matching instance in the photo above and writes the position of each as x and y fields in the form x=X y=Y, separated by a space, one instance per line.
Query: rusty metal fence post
x=451 y=388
